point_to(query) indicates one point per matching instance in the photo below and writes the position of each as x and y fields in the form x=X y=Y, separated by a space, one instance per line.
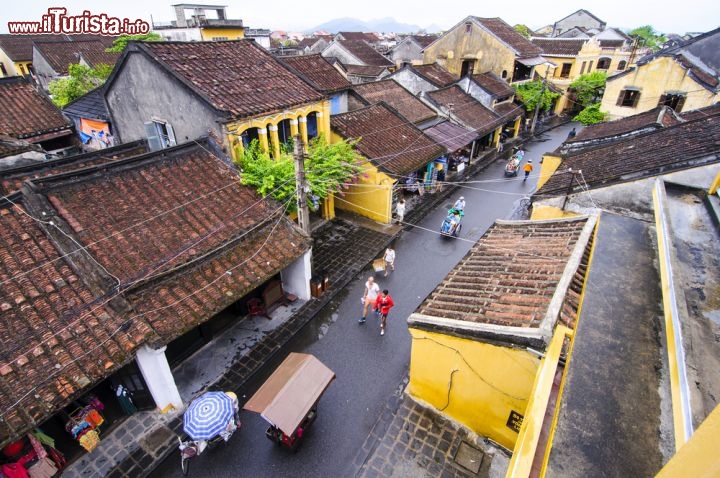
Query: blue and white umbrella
x=208 y=415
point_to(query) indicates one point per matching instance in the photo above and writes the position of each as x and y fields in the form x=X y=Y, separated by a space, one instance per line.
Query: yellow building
x=200 y=22
x=685 y=77
x=478 y=45
x=16 y=52
x=478 y=338
x=398 y=159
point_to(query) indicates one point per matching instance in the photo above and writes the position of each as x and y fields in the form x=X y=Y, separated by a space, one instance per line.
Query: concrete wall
x=577 y=19
x=144 y=92
x=335 y=51
x=457 y=45
x=412 y=82
x=406 y=52
x=654 y=79
x=43 y=71
x=474 y=90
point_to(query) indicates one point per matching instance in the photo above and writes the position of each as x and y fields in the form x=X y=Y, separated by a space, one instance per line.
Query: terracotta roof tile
x=389 y=141
x=508 y=35
x=61 y=54
x=20 y=47
x=494 y=85
x=318 y=72
x=56 y=337
x=359 y=36
x=365 y=53
x=238 y=77
x=509 y=276
x=640 y=156
x=392 y=93
x=451 y=136
x=424 y=40
x=660 y=117
x=560 y=46
x=364 y=70
x=470 y=111
x=27 y=113
x=436 y=74
x=700 y=113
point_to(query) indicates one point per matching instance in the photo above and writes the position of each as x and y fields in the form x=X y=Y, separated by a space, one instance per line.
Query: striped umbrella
x=208 y=415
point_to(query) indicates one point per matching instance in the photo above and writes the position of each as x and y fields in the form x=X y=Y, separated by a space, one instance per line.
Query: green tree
x=523 y=30
x=590 y=115
x=120 y=43
x=529 y=95
x=648 y=37
x=329 y=168
x=81 y=79
x=587 y=89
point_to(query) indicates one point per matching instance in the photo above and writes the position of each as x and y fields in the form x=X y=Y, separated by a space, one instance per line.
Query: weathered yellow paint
x=656 y=77
x=699 y=457
x=274 y=141
x=208 y=34
x=529 y=435
x=679 y=421
x=715 y=184
x=541 y=212
x=549 y=165
x=328 y=207
x=456 y=45
x=476 y=383
x=294 y=127
x=263 y=139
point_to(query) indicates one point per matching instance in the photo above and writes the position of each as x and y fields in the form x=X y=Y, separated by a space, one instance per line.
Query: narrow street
x=370 y=368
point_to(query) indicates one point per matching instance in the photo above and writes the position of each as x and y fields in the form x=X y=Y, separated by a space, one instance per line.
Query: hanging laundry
x=37 y=446
x=90 y=440
x=44 y=438
x=43 y=468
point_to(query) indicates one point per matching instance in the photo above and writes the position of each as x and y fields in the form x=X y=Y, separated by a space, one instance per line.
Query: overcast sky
x=664 y=15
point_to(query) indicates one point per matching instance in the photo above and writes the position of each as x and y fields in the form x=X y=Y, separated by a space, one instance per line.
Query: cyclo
x=451 y=225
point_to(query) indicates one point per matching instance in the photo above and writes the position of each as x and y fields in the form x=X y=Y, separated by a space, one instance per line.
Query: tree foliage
x=648 y=37
x=328 y=169
x=590 y=115
x=120 y=43
x=523 y=30
x=81 y=79
x=587 y=89
x=529 y=95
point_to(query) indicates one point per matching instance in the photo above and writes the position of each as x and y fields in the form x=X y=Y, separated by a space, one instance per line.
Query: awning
x=450 y=136
x=538 y=60
x=291 y=391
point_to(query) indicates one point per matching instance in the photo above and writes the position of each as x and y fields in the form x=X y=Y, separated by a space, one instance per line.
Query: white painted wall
x=155 y=370
x=296 y=277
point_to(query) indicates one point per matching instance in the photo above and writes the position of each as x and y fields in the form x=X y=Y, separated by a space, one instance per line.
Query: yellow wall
x=208 y=34
x=655 y=78
x=547 y=168
x=13 y=68
x=489 y=381
x=455 y=46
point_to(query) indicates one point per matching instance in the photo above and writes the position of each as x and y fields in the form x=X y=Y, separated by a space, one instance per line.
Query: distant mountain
x=382 y=25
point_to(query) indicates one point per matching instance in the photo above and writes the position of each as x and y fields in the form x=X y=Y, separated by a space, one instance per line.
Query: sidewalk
x=342 y=248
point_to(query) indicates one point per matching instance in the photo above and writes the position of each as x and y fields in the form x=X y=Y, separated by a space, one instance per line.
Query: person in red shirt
x=384 y=303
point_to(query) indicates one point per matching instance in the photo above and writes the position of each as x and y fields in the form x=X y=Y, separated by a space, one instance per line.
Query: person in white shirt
x=389 y=260
x=371 y=292
x=400 y=211
x=460 y=204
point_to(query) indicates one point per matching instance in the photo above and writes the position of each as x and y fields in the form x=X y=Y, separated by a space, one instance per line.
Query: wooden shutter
x=620 y=98
x=680 y=104
x=662 y=100
x=636 y=99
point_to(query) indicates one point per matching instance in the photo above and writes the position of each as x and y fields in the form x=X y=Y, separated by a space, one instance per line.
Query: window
x=604 y=63
x=673 y=100
x=590 y=66
x=3 y=70
x=467 y=67
x=582 y=68
x=160 y=135
x=219 y=38
x=565 y=73
x=628 y=98
x=622 y=65
x=504 y=74
x=468 y=28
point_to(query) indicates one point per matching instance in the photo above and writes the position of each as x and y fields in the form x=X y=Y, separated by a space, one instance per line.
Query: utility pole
x=300 y=186
x=569 y=189
x=537 y=107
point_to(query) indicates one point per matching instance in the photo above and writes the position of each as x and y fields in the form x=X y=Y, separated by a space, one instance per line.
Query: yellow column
x=303 y=129
x=263 y=139
x=274 y=140
x=516 y=127
x=293 y=127
x=324 y=120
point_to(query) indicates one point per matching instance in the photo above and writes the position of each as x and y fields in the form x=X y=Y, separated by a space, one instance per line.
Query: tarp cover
x=291 y=391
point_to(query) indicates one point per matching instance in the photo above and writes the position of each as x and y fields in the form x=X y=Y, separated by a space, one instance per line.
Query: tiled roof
x=61 y=54
x=494 y=85
x=611 y=43
x=451 y=136
x=424 y=40
x=508 y=35
x=238 y=77
x=560 y=46
x=466 y=108
x=436 y=74
x=306 y=42
x=700 y=113
x=365 y=53
x=11 y=146
x=641 y=156
x=91 y=106
x=660 y=117
x=56 y=336
x=20 y=47
x=358 y=36
x=508 y=111
x=318 y=72
x=27 y=113
x=396 y=96
x=12 y=178
x=364 y=70
x=389 y=141
x=510 y=276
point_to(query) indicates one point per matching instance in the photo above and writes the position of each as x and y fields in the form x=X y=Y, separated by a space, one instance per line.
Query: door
x=130 y=377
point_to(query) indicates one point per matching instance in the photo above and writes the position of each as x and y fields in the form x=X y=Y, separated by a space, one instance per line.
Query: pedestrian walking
x=371 y=292
x=528 y=169
x=572 y=134
x=400 y=211
x=384 y=303
x=389 y=259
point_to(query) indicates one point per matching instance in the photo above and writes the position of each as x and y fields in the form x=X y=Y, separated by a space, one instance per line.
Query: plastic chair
x=256 y=306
